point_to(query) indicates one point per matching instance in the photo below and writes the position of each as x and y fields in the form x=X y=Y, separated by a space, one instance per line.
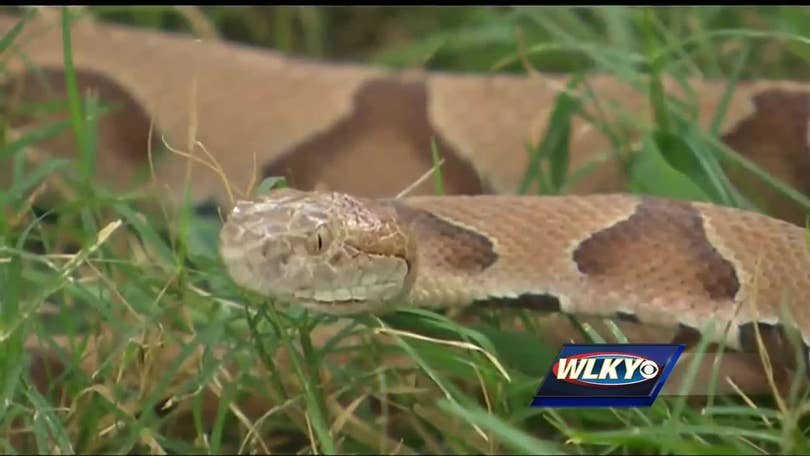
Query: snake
x=639 y=258
x=643 y=260
x=260 y=112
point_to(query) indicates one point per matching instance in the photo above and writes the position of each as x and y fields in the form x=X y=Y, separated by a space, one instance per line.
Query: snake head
x=326 y=251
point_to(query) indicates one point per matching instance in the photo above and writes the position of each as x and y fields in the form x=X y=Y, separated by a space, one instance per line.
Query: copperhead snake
x=283 y=112
x=647 y=259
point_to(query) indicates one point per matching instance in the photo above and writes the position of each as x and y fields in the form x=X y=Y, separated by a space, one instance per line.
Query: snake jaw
x=342 y=307
x=328 y=252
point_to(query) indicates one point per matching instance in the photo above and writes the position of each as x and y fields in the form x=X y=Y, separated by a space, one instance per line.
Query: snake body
x=262 y=112
x=637 y=258
x=645 y=259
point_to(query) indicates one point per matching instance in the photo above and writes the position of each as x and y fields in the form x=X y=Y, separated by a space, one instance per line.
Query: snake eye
x=318 y=241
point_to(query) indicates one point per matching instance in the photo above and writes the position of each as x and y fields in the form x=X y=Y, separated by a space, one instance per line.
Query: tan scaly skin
x=314 y=122
x=658 y=261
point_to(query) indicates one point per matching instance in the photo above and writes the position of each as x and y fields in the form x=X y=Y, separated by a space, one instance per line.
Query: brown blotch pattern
x=122 y=127
x=686 y=335
x=775 y=340
x=691 y=337
x=672 y=228
x=451 y=246
x=386 y=111
x=529 y=301
x=776 y=137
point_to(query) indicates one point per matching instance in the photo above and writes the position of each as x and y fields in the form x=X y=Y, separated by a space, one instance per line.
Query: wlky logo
x=607 y=375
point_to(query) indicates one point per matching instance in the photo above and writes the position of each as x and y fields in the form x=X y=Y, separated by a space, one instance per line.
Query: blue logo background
x=554 y=392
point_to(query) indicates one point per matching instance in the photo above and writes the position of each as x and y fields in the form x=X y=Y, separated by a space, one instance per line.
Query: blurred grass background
x=162 y=357
x=476 y=38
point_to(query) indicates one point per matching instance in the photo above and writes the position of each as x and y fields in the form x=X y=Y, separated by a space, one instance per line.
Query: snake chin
x=340 y=308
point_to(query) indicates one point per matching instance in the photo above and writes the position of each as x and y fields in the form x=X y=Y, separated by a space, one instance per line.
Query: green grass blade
x=728 y=92
x=74 y=100
x=33 y=137
x=438 y=182
x=554 y=146
x=7 y=39
x=511 y=437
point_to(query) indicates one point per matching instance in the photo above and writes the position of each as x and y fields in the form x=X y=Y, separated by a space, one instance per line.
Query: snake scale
x=640 y=259
x=646 y=259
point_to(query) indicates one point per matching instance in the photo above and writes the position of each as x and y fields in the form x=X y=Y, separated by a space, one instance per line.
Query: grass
x=161 y=353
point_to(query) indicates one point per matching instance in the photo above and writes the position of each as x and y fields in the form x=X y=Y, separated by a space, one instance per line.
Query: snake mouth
x=337 y=307
x=339 y=303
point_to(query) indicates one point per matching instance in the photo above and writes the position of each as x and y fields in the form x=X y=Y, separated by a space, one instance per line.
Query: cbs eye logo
x=648 y=369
